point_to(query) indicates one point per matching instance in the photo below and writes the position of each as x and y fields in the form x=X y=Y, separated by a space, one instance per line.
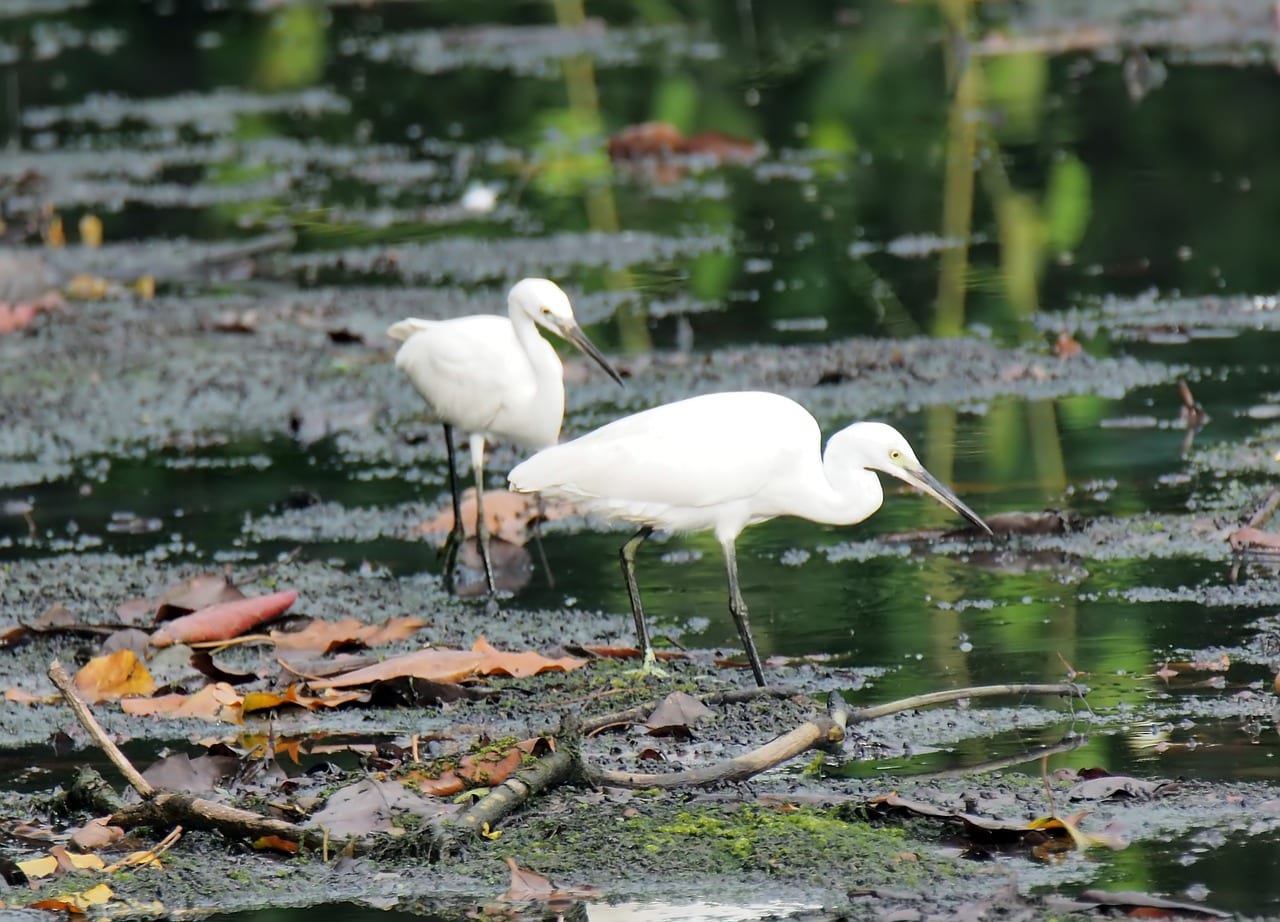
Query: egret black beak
x=575 y=335
x=925 y=482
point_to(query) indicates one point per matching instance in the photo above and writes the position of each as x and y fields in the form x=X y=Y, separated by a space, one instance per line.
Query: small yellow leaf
x=116 y=675
x=46 y=865
x=146 y=287
x=54 y=235
x=91 y=230
x=490 y=833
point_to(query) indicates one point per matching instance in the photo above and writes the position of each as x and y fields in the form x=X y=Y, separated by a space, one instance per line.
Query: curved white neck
x=836 y=492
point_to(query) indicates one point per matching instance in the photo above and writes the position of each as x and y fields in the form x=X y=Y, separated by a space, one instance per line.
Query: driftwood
x=826 y=731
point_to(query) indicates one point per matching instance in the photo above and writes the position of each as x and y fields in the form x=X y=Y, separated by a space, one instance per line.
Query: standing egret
x=493 y=377
x=723 y=462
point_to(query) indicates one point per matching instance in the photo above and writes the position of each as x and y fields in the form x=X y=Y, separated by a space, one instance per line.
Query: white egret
x=493 y=377
x=723 y=462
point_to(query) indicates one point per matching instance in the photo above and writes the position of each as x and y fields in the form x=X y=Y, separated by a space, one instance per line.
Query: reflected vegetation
x=951 y=169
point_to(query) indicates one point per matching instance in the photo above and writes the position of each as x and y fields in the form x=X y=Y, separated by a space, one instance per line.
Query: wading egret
x=723 y=462
x=493 y=377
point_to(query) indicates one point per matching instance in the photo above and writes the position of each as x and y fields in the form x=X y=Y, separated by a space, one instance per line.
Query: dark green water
x=1079 y=194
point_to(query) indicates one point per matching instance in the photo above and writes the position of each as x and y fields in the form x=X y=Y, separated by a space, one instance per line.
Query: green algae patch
x=801 y=847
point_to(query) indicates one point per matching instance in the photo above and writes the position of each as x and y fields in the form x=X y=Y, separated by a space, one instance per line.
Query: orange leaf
x=213 y=702
x=224 y=620
x=116 y=675
x=266 y=700
x=520 y=665
x=329 y=635
x=277 y=844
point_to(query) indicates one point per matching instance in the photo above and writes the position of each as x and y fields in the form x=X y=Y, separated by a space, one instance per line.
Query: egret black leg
x=537 y=540
x=738 y=609
x=482 y=527
x=628 y=556
x=457 y=534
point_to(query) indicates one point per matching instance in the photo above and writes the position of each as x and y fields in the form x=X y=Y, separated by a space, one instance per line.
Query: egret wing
x=694 y=453
x=468 y=369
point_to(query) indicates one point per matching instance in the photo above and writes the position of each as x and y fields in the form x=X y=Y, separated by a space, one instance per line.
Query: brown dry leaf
x=438 y=664
x=526 y=886
x=678 y=713
x=434 y=664
x=21 y=696
x=116 y=675
x=373 y=806
x=96 y=834
x=218 y=701
x=481 y=769
x=520 y=665
x=1066 y=346
x=180 y=772
x=180 y=598
x=328 y=636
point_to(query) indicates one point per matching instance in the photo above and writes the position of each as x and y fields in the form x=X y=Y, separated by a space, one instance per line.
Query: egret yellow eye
x=546 y=311
x=895 y=456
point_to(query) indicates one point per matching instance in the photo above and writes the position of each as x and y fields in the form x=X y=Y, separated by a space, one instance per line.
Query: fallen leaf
x=1066 y=346
x=96 y=833
x=224 y=620
x=76 y=903
x=116 y=675
x=180 y=598
x=59 y=858
x=526 y=887
x=21 y=696
x=267 y=700
x=330 y=636
x=373 y=806
x=677 y=714
x=180 y=772
x=275 y=843
x=439 y=664
x=218 y=701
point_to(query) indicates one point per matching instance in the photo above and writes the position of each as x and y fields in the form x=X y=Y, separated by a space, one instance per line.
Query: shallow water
x=359 y=130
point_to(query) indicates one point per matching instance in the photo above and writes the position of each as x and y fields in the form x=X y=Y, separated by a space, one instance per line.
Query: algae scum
x=1013 y=246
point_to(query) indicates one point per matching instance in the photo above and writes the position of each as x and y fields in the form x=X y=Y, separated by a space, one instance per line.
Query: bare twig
x=90 y=723
x=1068 y=689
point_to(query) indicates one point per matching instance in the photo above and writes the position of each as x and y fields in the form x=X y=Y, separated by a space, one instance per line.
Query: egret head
x=880 y=447
x=546 y=304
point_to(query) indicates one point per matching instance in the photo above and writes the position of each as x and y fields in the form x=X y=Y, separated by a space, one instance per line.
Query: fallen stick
x=549 y=771
x=185 y=810
x=193 y=812
x=824 y=732
x=862 y=715
x=91 y=726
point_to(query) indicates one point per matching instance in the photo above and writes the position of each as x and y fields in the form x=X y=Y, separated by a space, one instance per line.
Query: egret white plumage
x=494 y=377
x=723 y=462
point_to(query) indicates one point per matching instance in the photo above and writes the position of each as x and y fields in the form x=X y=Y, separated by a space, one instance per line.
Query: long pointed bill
x=575 y=335
x=924 y=481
